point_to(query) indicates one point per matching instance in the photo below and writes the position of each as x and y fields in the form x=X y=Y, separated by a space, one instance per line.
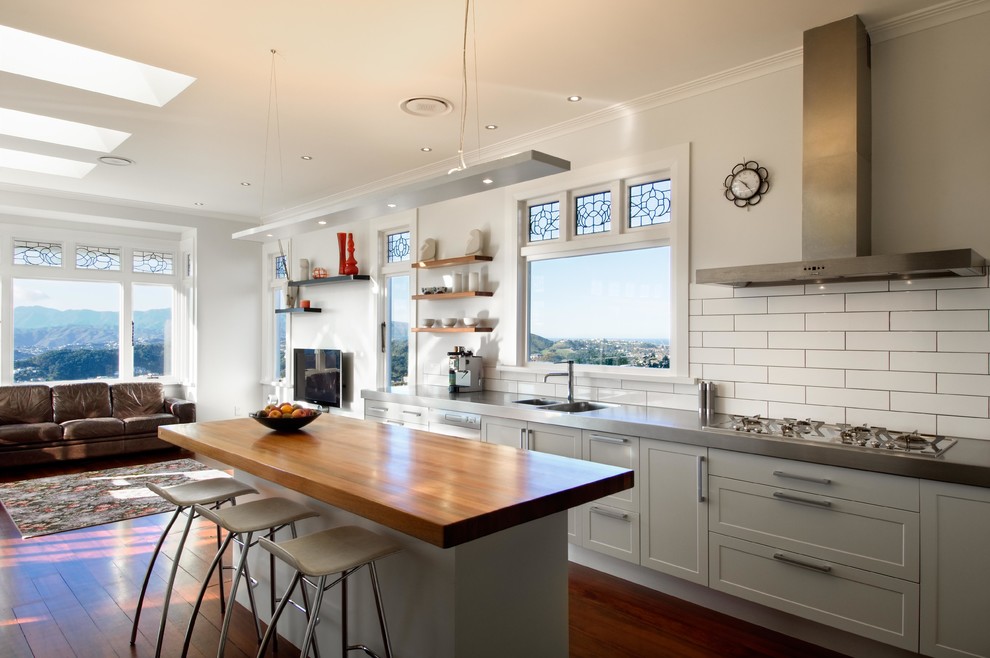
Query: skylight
x=59 y=131
x=34 y=56
x=44 y=164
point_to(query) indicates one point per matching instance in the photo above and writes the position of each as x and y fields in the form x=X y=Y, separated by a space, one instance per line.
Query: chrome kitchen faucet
x=570 y=378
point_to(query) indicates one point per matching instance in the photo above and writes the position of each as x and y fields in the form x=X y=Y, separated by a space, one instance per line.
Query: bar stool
x=241 y=522
x=342 y=551
x=212 y=491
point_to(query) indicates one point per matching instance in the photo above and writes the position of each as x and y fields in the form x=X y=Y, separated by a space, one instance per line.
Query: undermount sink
x=537 y=402
x=576 y=407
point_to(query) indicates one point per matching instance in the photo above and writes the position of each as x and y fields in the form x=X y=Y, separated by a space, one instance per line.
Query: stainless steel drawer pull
x=824 y=568
x=800 y=499
x=381 y=409
x=608 y=439
x=622 y=516
x=701 y=478
x=389 y=421
x=803 y=478
x=412 y=413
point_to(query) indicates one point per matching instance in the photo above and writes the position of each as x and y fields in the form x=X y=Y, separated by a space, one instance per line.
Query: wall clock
x=747 y=184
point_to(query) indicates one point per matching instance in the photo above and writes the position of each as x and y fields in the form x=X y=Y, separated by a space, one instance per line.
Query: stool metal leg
x=296 y=577
x=147 y=575
x=171 y=581
x=202 y=591
x=238 y=570
x=373 y=570
x=313 y=616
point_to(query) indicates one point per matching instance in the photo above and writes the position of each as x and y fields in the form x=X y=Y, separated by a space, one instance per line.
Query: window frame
x=617 y=175
x=387 y=270
x=271 y=285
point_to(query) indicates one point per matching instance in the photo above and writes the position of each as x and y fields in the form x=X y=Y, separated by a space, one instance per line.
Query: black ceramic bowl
x=286 y=424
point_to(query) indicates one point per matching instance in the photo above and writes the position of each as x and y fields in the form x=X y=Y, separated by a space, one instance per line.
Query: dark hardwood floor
x=73 y=594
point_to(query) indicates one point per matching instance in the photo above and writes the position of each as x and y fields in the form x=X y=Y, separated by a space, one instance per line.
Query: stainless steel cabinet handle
x=394 y=422
x=529 y=440
x=608 y=439
x=823 y=568
x=412 y=413
x=382 y=409
x=701 y=478
x=622 y=516
x=800 y=499
x=522 y=438
x=803 y=478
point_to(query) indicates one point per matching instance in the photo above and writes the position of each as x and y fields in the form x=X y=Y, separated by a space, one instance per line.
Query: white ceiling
x=345 y=65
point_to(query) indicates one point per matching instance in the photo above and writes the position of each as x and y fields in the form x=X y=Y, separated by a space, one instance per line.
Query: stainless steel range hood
x=837 y=187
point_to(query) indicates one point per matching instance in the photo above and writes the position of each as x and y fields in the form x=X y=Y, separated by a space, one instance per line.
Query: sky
x=89 y=295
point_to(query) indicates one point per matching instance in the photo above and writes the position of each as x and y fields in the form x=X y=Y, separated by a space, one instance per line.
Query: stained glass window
x=98 y=258
x=398 y=247
x=280 y=269
x=152 y=262
x=544 y=221
x=593 y=213
x=44 y=254
x=649 y=203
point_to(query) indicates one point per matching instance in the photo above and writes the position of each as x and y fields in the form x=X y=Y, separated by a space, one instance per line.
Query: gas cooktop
x=856 y=436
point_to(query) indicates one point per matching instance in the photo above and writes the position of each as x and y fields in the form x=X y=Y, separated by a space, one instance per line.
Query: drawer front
x=848 y=483
x=615 y=450
x=880 y=539
x=861 y=602
x=404 y=413
x=610 y=530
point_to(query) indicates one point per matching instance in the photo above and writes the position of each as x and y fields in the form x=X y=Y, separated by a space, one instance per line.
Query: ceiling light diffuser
x=42 y=58
x=44 y=164
x=42 y=128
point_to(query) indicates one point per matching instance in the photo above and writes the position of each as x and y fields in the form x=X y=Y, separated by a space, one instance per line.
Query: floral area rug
x=45 y=506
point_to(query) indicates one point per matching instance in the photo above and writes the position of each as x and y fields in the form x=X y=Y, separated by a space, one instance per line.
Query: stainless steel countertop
x=967 y=462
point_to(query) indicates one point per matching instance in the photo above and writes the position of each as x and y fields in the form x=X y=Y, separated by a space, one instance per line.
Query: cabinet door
x=504 y=431
x=615 y=450
x=565 y=442
x=955 y=579
x=672 y=498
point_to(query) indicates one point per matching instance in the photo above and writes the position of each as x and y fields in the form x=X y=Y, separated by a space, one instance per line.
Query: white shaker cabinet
x=955 y=573
x=674 y=508
x=611 y=525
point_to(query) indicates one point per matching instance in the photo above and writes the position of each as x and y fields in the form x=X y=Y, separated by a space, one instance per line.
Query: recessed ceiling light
x=269 y=235
x=116 y=161
x=491 y=126
x=246 y=184
x=199 y=203
x=322 y=222
x=390 y=205
x=487 y=181
x=42 y=58
x=426 y=106
x=44 y=164
x=42 y=128
x=306 y=157
x=574 y=99
x=426 y=149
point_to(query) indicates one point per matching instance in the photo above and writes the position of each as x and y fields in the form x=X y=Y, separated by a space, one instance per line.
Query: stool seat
x=257 y=514
x=332 y=551
x=202 y=492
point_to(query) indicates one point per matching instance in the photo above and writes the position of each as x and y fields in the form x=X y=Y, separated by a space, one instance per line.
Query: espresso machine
x=464 y=371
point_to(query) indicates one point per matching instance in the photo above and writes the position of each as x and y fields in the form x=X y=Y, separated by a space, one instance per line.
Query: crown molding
x=927 y=18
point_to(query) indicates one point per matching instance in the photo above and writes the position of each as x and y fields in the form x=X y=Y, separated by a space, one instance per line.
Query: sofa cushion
x=28 y=403
x=137 y=399
x=29 y=434
x=84 y=400
x=146 y=424
x=92 y=428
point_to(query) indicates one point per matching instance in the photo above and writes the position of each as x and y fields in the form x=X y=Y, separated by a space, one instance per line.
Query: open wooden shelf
x=299 y=310
x=452 y=330
x=447 y=262
x=331 y=279
x=455 y=295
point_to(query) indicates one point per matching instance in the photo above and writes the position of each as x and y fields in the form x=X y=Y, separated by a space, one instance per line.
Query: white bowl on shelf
x=449 y=322
x=427 y=322
x=470 y=322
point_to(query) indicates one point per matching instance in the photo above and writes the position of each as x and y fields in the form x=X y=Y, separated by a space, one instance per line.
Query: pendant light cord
x=272 y=102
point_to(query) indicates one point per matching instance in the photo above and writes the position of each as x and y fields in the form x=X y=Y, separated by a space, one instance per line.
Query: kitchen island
x=484 y=572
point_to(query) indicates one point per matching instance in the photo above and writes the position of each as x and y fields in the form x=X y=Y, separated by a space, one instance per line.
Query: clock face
x=746 y=184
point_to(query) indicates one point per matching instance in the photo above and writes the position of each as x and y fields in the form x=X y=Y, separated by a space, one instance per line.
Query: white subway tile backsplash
x=851 y=286
x=659 y=387
x=974 y=428
x=891 y=380
x=695 y=307
x=735 y=373
x=712 y=355
x=502 y=385
x=939 y=321
x=702 y=291
x=964 y=384
x=695 y=370
x=518 y=376
x=898 y=341
x=864 y=321
x=770 y=392
x=778 y=322
x=739 y=407
x=807 y=376
x=694 y=339
x=848 y=359
x=672 y=401
x=536 y=388
x=735 y=339
x=711 y=323
x=963 y=362
x=950 y=405
x=897 y=421
x=848 y=397
x=964 y=298
x=750 y=357
x=964 y=341
x=807 y=340
x=807 y=304
x=767 y=291
x=915 y=300
x=684 y=389
x=623 y=396
x=735 y=306
x=789 y=410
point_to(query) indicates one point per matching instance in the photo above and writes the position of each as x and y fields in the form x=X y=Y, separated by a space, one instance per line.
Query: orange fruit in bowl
x=286 y=408
x=274 y=413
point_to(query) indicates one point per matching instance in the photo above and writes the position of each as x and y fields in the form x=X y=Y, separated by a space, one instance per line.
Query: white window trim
x=268 y=319
x=677 y=161
x=406 y=221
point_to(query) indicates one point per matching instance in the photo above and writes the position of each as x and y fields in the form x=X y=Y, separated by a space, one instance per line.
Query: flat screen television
x=318 y=376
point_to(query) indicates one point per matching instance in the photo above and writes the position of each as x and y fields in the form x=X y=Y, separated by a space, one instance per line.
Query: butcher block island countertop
x=442 y=490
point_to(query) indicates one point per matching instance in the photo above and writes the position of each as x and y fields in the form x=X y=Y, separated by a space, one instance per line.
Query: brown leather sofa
x=41 y=423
